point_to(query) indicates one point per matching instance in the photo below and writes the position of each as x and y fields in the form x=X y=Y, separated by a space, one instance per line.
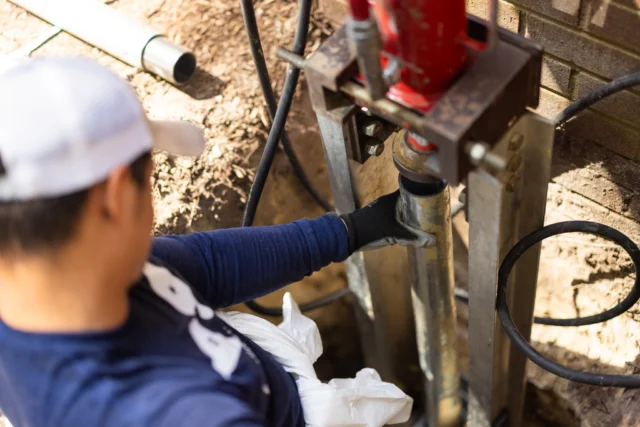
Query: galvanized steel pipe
x=427 y=207
x=120 y=36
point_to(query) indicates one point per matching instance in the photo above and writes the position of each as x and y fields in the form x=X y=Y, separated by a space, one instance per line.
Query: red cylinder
x=427 y=36
x=359 y=9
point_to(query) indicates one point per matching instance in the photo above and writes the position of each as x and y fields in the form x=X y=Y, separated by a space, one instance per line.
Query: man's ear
x=116 y=193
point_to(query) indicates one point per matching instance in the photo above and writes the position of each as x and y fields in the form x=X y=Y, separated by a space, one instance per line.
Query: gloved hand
x=377 y=225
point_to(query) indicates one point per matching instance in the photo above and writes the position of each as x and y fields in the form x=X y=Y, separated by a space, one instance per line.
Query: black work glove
x=377 y=225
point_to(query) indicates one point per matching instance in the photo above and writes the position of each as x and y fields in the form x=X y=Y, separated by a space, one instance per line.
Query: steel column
x=432 y=285
x=335 y=130
x=502 y=210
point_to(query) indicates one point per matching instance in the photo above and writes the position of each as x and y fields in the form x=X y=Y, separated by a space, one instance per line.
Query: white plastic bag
x=361 y=401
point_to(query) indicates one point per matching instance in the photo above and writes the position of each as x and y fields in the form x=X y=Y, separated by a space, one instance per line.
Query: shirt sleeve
x=231 y=266
x=208 y=410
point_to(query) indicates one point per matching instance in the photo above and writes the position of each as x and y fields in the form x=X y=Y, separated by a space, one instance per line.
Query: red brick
x=509 y=17
x=594 y=127
x=583 y=50
x=613 y=22
x=624 y=106
x=551 y=104
x=564 y=10
x=555 y=75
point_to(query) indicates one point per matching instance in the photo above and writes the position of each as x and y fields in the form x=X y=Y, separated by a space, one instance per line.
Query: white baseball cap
x=67 y=122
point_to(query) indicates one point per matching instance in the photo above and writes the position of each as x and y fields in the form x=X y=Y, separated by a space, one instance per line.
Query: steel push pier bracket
x=486 y=106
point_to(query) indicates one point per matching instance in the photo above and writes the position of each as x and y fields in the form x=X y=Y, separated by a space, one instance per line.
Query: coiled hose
x=603 y=380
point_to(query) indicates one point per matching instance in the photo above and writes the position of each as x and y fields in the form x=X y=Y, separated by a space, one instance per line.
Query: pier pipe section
x=118 y=35
x=427 y=207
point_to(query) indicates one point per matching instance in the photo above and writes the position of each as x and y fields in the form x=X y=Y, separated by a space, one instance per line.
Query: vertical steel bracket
x=502 y=210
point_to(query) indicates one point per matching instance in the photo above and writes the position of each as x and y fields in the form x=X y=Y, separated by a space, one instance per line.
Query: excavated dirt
x=580 y=275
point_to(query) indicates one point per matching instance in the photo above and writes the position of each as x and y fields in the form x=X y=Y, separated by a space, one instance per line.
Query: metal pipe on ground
x=427 y=207
x=118 y=35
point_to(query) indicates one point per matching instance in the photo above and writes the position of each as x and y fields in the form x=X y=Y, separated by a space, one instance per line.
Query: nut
x=514 y=164
x=515 y=142
x=512 y=184
x=372 y=128
x=374 y=149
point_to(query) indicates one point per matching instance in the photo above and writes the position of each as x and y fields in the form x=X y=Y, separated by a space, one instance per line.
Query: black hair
x=42 y=224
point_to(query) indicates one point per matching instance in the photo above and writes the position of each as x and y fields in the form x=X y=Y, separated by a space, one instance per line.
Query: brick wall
x=587 y=43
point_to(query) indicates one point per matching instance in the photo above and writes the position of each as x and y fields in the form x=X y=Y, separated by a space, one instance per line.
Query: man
x=101 y=325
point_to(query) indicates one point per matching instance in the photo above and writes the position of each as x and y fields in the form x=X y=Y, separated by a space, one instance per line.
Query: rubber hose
x=608 y=89
x=277 y=129
x=257 y=53
x=280 y=118
x=604 y=380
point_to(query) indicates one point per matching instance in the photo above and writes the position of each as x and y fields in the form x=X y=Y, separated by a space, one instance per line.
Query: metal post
x=335 y=131
x=118 y=35
x=427 y=207
x=502 y=210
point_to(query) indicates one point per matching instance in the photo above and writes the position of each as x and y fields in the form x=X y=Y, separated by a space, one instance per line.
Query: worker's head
x=75 y=164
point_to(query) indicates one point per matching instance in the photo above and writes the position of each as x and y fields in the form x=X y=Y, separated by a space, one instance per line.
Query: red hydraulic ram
x=427 y=38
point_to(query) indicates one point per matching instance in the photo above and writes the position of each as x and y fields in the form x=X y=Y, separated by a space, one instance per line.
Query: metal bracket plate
x=502 y=210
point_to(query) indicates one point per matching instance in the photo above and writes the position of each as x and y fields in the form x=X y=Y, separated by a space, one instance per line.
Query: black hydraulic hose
x=275 y=134
x=604 y=380
x=253 y=33
x=615 y=86
x=280 y=117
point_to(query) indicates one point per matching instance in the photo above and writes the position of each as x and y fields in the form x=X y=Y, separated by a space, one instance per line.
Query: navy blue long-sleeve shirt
x=174 y=362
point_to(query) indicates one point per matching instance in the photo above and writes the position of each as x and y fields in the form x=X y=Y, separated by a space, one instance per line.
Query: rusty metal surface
x=385 y=108
x=488 y=97
x=332 y=63
x=491 y=95
x=420 y=167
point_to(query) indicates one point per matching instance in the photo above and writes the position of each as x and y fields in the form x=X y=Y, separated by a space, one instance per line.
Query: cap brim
x=177 y=137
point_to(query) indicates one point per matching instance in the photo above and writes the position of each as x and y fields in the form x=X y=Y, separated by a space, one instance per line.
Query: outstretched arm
x=231 y=266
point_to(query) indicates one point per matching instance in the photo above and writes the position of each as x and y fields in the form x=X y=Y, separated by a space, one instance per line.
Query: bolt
x=477 y=152
x=514 y=163
x=374 y=148
x=372 y=128
x=512 y=184
x=480 y=154
x=516 y=141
